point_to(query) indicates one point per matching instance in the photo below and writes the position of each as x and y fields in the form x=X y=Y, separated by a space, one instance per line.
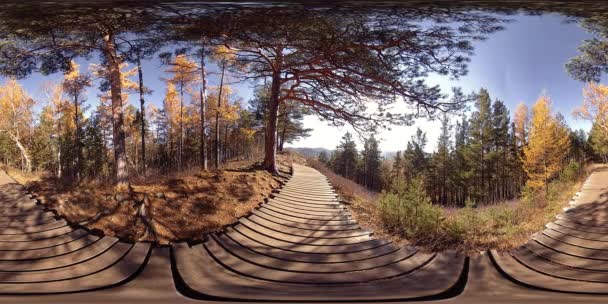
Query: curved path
x=301 y=244
x=42 y=254
x=571 y=254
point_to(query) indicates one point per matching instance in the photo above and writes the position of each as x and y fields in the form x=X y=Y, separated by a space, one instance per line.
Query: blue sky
x=515 y=65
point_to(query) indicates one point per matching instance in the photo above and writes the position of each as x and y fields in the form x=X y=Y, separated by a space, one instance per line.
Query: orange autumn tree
x=225 y=112
x=184 y=73
x=223 y=56
x=595 y=106
x=171 y=106
x=75 y=84
x=548 y=145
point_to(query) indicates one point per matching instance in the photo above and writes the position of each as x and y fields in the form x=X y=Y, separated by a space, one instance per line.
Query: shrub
x=571 y=172
x=408 y=210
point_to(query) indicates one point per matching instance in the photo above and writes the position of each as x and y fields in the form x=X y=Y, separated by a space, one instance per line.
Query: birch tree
x=15 y=110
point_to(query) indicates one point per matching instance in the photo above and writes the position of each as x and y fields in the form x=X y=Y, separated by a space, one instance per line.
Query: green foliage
x=323 y=158
x=572 y=171
x=598 y=142
x=96 y=161
x=365 y=168
x=43 y=147
x=345 y=158
x=407 y=209
x=415 y=159
x=371 y=161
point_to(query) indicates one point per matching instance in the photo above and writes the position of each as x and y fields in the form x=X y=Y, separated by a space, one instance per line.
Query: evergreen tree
x=346 y=157
x=43 y=145
x=480 y=143
x=462 y=169
x=442 y=162
x=599 y=143
x=290 y=125
x=95 y=164
x=415 y=160
x=323 y=158
x=371 y=160
x=499 y=154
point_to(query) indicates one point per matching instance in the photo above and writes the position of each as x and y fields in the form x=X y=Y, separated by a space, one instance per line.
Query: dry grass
x=507 y=225
x=361 y=202
x=160 y=208
x=500 y=226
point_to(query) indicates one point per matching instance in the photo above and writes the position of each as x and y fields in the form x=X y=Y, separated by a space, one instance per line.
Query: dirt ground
x=163 y=209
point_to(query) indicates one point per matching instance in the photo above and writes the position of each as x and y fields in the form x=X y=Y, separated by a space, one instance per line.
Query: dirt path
x=299 y=245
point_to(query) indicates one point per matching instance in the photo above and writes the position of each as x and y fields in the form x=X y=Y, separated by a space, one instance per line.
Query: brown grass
x=160 y=208
x=502 y=226
x=361 y=203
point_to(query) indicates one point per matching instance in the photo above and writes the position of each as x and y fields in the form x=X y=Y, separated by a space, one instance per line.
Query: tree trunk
x=23 y=150
x=142 y=111
x=283 y=131
x=77 y=135
x=270 y=145
x=225 y=157
x=181 y=127
x=203 y=151
x=217 y=119
x=118 y=131
x=203 y=106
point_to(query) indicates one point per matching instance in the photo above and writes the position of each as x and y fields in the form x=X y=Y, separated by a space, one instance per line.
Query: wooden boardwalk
x=42 y=254
x=303 y=245
x=571 y=254
x=300 y=245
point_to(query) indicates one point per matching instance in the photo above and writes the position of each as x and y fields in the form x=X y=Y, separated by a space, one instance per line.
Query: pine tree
x=371 y=160
x=462 y=169
x=43 y=147
x=480 y=142
x=415 y=159
x=442 y=162
x=499 y=153
x=290 y=125
x=94 y=147
x=346 y=157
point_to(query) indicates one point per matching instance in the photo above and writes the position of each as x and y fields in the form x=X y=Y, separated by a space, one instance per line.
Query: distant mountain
x=314 y=152
x=310 y=152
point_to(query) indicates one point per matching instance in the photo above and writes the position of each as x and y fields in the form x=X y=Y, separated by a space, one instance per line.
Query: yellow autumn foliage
x=520 y=122
x=128 y=86
x=547 y=147
x=222 y=53
x=595 y=106
x=15 y=108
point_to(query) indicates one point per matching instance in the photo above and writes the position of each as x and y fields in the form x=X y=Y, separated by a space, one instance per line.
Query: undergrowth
x=404 y=213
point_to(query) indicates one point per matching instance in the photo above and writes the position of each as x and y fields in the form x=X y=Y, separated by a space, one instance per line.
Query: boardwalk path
x=299 y=245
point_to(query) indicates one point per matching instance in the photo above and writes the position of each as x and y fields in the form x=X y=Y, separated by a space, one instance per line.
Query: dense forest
x=334 y=64
x=61 y=138
x=484 y=156
x=345 y=66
